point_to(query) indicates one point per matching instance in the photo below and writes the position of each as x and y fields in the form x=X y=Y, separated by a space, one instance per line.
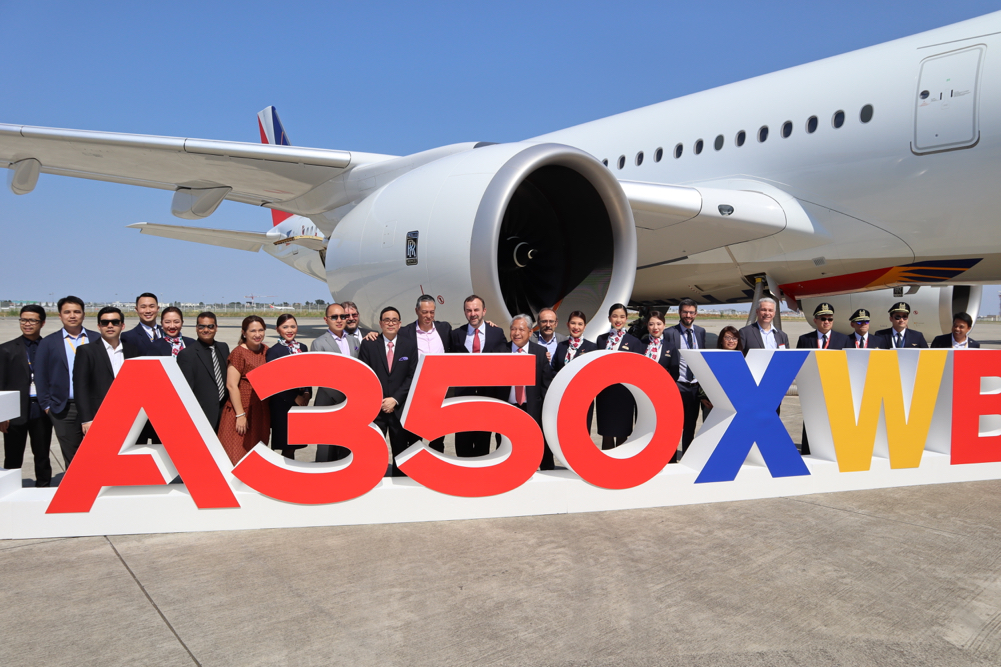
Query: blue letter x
x=756 y=419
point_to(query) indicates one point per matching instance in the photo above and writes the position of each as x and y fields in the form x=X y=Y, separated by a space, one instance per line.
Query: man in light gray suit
x=547 y=336
x=334 y=339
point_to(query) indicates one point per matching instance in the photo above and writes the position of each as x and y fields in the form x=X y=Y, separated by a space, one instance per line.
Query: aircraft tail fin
x=273 y=133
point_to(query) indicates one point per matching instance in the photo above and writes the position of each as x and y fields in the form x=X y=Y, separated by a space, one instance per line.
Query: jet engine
x=524 y=226
x=932 y=308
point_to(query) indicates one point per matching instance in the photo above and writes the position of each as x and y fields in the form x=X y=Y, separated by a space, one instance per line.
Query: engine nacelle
x=932 y=308
x=525 y=226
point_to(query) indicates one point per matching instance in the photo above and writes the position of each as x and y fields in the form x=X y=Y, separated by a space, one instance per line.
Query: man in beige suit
x=334 y=339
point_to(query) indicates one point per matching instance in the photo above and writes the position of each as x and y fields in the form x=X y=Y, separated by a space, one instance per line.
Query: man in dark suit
x=394 y=360
x=823 y=337
x=144 y=336
x=204 y=367
x=334 y=339
x=17 y=360
x=429 y=337
x=959 y=338
x=54 y=374
x=530 y=398
x=98 y=364
x=476 y=337
x=762 y=335
x=547 y=336
x=898 y=336
x=685 y=335
x=862 y=339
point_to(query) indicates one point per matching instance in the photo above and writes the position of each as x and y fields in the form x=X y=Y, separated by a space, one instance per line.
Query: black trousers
x=690 y=403
x=39 y=430
x=548 y=462
x=472 y=443
x=68 y=431
x=805 y=447
x=399 y=437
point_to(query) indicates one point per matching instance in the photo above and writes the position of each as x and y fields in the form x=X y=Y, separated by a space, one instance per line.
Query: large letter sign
x=348 y=424
x=875 y=418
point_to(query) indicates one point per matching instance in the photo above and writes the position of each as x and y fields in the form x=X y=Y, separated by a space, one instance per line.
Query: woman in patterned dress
x=245 y=419
x=282 y=402
x=616 y=407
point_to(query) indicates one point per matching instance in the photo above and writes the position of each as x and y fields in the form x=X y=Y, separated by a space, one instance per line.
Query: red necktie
x=519 y=392
x=389 y=355
x=476 y=341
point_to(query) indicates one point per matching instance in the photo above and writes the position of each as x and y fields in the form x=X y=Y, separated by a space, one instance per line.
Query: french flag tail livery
x=273 y=133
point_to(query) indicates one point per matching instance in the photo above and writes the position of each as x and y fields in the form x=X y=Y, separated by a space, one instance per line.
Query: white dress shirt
x=116 y=355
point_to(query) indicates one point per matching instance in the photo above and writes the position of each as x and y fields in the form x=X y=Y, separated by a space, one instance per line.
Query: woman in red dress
x=245 y=419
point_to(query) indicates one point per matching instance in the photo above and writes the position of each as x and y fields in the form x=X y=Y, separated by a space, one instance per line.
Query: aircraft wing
x=257 y=174
x=249 y=241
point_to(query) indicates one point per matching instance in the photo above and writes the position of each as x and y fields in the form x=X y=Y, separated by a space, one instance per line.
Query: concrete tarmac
x=904 y=576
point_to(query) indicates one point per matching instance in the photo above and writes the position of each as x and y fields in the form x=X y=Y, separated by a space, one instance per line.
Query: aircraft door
x=948 y=101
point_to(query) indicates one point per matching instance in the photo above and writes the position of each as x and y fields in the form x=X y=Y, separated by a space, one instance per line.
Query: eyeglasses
x=730 y=339
x=338 y=317
x=24 y=320
x=110 y=323
x=205 y=326
x=388 y=321
x=900 y=316
x=826 y=319
x=860 y=322
x=351 y=316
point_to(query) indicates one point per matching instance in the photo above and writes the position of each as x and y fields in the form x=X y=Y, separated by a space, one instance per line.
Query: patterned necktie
x=823 y=345
x=575 y=344
x=292 y=345
x=613 y=340
x=519 y=392
x=476 y=341
x=217 y=371
x=653 y=349
x=389 y=355
x=176 y=344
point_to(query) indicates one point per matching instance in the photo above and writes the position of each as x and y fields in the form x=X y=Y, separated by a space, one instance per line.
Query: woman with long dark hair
x=729 y=339
x=279 y=404
x=245 y=419
x=616 y=407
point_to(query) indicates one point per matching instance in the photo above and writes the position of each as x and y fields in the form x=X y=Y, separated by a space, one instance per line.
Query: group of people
x=62 y=378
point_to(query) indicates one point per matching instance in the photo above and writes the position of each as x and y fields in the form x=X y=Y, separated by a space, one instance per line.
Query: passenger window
x=622 y=161
x=605 y=162
x=811 y=125
x=678 y=150
x=839 y=119
x=658 y=155
x=741 y=137
x=718 y=144
x=698 y=147
x=786 y=129
x=866 y=114
x=639 y=158
x=763 y=134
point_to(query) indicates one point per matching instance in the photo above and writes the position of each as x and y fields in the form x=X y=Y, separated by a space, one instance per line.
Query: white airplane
x=866 y=171
x=272 y=306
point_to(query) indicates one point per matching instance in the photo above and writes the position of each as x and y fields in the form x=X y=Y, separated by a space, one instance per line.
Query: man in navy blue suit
x=822 y=338
x=899 y=336
x=476 y=337
x=685 y=335
x=54 y=374
x=959 y=338
x=147 y=332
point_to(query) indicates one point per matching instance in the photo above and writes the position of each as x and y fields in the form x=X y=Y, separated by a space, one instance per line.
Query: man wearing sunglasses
x=899 y=336
x=335 y=339
x=203 y=364
x=822 y=338
x=98 y=364
x=862 y=339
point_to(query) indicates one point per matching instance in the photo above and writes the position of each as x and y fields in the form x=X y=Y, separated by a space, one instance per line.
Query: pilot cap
x=823 y=309
x=860 y=314
x=900 y=307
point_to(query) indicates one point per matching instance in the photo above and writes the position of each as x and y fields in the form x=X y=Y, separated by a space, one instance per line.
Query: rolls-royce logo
x=411 y=248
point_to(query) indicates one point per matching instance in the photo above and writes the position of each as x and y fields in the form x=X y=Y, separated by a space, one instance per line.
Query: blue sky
x=380 y=77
